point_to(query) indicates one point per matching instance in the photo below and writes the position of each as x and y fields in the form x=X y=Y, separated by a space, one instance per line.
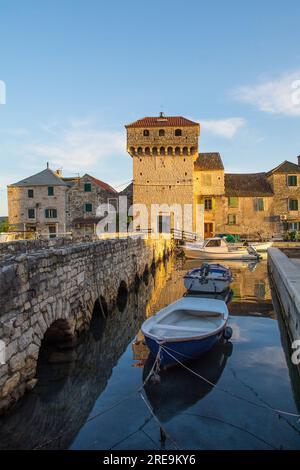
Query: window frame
x=31 y=210
x=290 y=205
x=234 y=219
x=50 y=190
x=161 y=133
x=178 y=132
x=210 y=204
x=87 y=184
x=288 y=181
x=30 y=191
x=88 y=204
x=49 y=211
x=146 y=133
x=234 y=206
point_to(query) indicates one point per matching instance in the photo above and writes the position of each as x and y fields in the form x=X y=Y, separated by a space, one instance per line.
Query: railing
x=184 y=235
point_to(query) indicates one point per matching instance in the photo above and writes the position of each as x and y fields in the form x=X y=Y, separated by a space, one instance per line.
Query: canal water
x=88 y=398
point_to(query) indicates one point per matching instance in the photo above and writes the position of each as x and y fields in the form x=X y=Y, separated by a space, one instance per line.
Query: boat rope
x=171 y=439
x=232 y=394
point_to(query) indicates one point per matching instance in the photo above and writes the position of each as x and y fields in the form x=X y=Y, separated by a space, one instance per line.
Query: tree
x=4 y=225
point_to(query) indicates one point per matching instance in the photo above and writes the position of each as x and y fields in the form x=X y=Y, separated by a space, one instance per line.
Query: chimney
x=298 y=160
x=47 y=165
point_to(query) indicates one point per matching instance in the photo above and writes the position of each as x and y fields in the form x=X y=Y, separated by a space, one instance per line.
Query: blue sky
x=76 y=71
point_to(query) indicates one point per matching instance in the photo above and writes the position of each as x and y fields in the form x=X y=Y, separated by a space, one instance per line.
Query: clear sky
x=76 y=71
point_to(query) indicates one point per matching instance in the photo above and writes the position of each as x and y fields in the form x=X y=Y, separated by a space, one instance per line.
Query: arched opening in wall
x=185 y=151
x=132 y=150
x=161 y=132
x=162 y=151
x=98 y=320
x=146 y=274
x=122 y=296
x=178 y=132
x=170 y=151
x=154 y=151
x=153 y=267
x=147 y=151
x=177 y=151
x=56 y=346
x=140 y=151
x=137 y=283
x=192 y=150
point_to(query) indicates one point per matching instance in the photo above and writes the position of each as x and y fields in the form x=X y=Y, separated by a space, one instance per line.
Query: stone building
x=83 y=198
x=51 y=205
x=168 y=169
x=38 y=204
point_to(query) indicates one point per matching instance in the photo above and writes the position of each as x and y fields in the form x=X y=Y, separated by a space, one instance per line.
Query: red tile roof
x=174 y=121
x=103 y=185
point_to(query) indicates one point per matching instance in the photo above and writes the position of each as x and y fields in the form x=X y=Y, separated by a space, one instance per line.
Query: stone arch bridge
x=52 y=291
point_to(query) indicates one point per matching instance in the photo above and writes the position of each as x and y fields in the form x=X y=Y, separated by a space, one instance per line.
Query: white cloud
x=281 y=96
x=226 y=128
x=77 y=146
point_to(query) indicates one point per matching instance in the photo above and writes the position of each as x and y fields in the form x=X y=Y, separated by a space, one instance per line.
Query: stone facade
x=168 y=170
x=53 y=292
x=50 y=205
x=41 y=213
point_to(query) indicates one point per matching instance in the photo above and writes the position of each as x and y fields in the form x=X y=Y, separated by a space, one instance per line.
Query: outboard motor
x=252 y=251
x=205 y=269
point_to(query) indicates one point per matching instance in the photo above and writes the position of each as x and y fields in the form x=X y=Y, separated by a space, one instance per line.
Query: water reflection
x=56 y=411
x=179 y=389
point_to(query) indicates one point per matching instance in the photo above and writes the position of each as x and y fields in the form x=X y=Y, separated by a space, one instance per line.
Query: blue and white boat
x=208 y=279
x=185 y=329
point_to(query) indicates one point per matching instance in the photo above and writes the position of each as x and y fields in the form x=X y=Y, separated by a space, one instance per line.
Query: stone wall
x=55 y=290
x=19 y=203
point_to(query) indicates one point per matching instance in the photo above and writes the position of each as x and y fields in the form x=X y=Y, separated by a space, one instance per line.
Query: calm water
x=74 y=404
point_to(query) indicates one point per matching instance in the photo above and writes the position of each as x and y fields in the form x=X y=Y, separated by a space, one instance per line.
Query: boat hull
x=201 y=254
x=181 y=350
x=209 y=287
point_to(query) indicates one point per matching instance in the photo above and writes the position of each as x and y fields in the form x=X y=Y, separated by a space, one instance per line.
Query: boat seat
x=179 y=328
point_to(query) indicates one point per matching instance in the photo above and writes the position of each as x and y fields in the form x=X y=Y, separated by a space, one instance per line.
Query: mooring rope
x=234 y=395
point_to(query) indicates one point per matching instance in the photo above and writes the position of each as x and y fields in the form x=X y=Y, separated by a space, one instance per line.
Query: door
x=164 y=223
x=52 y=231
x=208 y=229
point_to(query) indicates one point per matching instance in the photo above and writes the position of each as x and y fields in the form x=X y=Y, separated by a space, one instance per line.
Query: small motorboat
x=218 y=248
x=186 y=329
x=209 y=278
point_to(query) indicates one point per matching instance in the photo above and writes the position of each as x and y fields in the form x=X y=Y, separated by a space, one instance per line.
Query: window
x=233 y=201
x=213 y=243
x=146 y=133
x=87 y=187
x=259 y=205
x=294 y=226
x=293 y=204
x=231 y=219
x=31 y=213
x=208 y=204
x=88 y=207
x=292 y=180
x=30 y=193
x=50 y=191
x=206 y=179
x=178 y=132
x=51 y=213
x=161 y=132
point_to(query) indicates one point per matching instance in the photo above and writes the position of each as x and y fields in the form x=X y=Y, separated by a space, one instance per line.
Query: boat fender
x=227 y=333
x=155 y=378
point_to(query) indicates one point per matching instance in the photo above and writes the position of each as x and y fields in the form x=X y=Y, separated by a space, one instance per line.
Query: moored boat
x=185 y=329
x=218 y=248
x=209 y=278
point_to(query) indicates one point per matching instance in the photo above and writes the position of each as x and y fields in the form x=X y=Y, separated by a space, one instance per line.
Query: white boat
x=218 y=248
x=185 y=329
x=209 y=278
x=259 y=246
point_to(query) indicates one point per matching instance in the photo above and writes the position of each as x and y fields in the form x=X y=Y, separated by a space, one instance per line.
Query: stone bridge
x=49 y=294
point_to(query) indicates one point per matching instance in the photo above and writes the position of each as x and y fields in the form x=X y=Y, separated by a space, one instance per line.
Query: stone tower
x=163 y=149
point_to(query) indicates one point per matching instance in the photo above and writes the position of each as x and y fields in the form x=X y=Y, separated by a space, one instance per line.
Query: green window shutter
x=87 y=187
x=50 y=191
x=293 y=204
x=213 y=203
x=292 y=180
x=47 y=213
x=88 y=207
